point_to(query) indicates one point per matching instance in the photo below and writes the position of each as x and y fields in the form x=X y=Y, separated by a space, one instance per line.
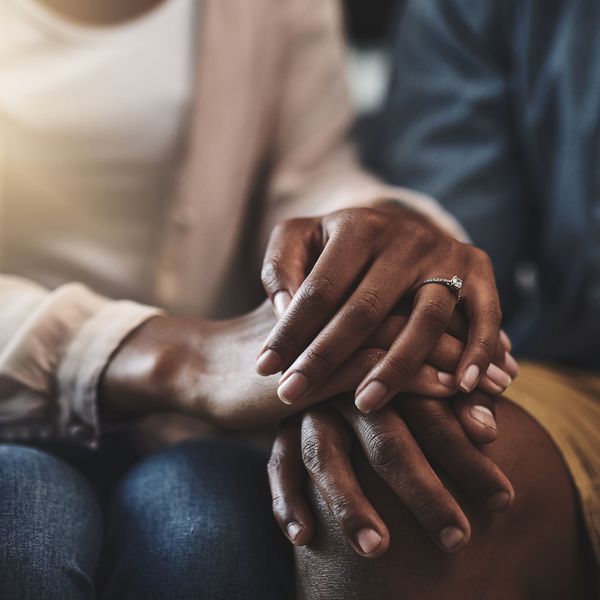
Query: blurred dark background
x=368 y=21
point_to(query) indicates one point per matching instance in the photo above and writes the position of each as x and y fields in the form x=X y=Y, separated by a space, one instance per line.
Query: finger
x=445 y=356
x=509 y=365
x=317 y=299
x=425 y=381
x=459 y=328
x=289 y=255
x=286 y=479
x=444 y=442
x=434 y=305
x=361 y=314
x=482 y=306
x=326 y=458
x=476 y=412
x=395 y=455
x=505 y=341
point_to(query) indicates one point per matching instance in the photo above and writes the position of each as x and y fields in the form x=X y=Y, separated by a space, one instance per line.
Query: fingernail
x=371 y=397
x=451 y=537
x=505 y=340
x=511 y=364
x=483 y=415
x=498 y=376
x=498 y=501
x=281 y=301
x=269 y=363
x=447 y=380
x=470 y=378
x=490 y=386
x=368 y=540
x=293 y=388
x=294 y=530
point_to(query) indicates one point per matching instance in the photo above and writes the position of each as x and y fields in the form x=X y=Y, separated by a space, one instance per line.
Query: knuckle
x=362 y=222
x=485 y=347
x=270 y=273
x=384 y=451
x=279 y=507
x=435 y=311
x=314 y=454
x=426 y=505
x=344 y=221
x=279 y=230
x=438 y=432
x=371 y=220
x=420 y=234
x=481 y=256
x=318 y=291
x=276 y=464
x=286 y=337
x=366 y=311
x=400 y=365
x=318 y=360
x=343 y=511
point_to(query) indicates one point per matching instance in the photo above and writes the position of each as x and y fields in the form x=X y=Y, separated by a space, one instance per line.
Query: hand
x=195 y=366
x=365 y=261
x=206 y=368
x=400 y=448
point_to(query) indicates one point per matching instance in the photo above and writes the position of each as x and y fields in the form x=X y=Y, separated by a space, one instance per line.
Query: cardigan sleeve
x=54 y=345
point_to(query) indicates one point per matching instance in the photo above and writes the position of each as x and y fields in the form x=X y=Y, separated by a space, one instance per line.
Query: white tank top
x=92 y=121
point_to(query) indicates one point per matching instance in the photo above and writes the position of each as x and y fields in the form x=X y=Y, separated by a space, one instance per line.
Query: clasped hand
x=354 y=320
x=353 y=316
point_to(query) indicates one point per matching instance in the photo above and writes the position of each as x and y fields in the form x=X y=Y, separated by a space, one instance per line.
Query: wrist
x=151 y=369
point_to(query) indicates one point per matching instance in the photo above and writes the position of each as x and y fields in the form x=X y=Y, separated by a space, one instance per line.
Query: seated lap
x=50 y=527
x=194 y=521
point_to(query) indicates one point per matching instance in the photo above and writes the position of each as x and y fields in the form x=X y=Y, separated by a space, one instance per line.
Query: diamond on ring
x=455 y=283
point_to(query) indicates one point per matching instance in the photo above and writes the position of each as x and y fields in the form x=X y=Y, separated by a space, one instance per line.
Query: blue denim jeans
x=190 y=522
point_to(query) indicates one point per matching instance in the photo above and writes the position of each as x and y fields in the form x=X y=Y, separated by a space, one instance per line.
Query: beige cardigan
x=267 y=141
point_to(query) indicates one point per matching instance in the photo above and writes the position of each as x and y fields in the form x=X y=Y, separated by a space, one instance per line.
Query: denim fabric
x=494 y=109
x=190 y=522
x=50 y=528
x=195 y=522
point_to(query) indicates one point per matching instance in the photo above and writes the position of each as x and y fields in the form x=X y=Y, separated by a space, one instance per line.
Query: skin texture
x=346 y=272
x=517 y=555
x=107 y=12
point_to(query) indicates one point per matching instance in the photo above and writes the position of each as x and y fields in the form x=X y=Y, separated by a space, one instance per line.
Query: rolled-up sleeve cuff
x=83 y=363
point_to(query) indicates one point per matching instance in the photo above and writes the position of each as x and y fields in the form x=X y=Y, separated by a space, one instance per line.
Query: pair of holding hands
x=353 y=316
x=353 y=320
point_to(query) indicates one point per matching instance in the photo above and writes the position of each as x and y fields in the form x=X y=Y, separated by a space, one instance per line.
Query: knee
x=414 y=568
x=191 y=493
x=50 y=527
x=196 y=512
